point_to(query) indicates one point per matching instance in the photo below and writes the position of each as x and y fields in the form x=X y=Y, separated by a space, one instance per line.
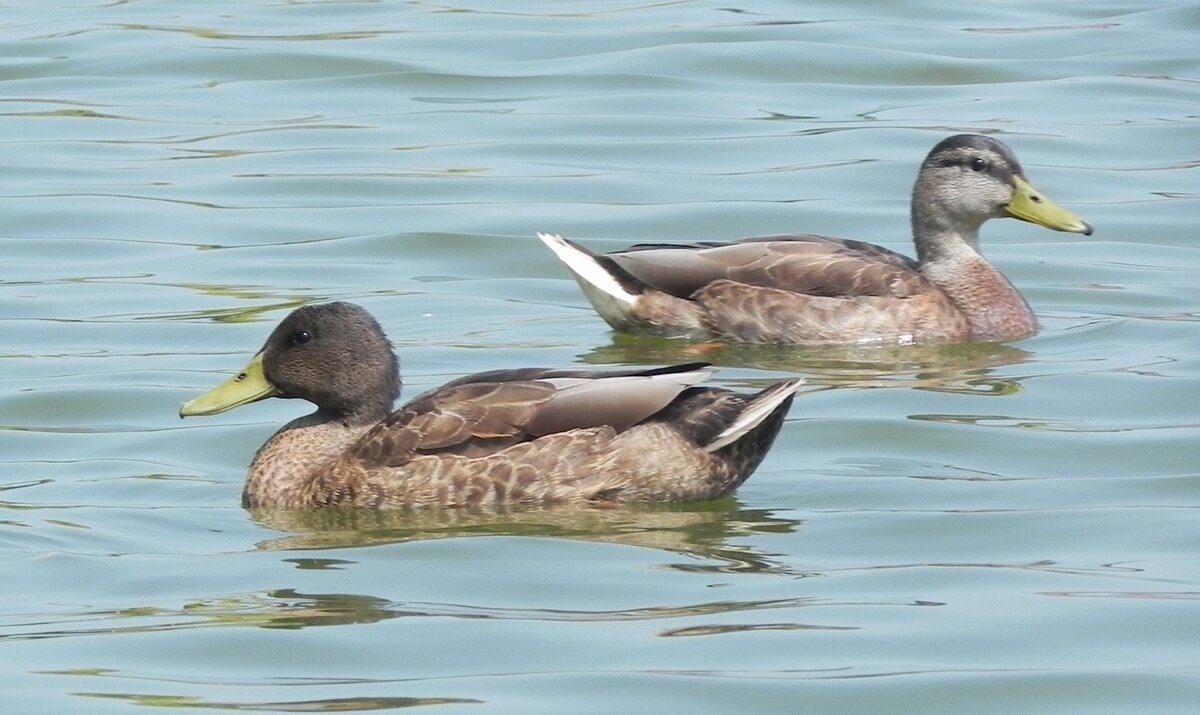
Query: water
x=987 y=528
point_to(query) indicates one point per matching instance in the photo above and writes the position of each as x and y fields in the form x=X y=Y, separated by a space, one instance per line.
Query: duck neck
x=990 y=303
x=366 y=404
x=948 y=254
x=939 y=235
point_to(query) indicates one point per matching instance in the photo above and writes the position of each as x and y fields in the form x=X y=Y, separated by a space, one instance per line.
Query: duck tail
x=611 y=289
x=765 y=410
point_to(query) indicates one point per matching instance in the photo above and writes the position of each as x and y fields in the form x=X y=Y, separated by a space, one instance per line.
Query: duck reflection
x=699 y=531
x=949 y=367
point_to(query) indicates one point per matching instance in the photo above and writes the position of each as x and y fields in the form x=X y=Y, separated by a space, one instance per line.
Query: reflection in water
x=1138 y=595
x=327 y=705
x=692 y=529
x=698 y=531
x=216 y=34
x=749 y=628
x=239 y=314
x=947 y=367
x=288 y=609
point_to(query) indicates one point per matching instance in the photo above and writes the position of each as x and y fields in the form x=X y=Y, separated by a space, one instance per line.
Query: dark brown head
x=334 y=355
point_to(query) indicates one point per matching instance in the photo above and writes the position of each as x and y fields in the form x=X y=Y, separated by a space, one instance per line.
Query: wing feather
x=474 y=418
x=804 y=264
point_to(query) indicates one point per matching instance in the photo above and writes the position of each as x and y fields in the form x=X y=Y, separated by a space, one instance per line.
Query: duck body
x=524 y=436
x=817 y=289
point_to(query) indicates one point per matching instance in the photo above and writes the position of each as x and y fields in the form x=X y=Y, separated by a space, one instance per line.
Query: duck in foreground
x=816 y=289
x=529 y=435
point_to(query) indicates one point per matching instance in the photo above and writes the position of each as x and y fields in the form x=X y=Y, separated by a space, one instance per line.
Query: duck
x=812 y=289
x=536 y=436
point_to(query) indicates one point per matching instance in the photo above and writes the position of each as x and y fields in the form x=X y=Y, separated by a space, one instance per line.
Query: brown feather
x=795 y=289
x=809 y=264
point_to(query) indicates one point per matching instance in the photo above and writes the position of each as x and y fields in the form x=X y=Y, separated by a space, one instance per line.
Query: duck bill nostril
x=1029 y=205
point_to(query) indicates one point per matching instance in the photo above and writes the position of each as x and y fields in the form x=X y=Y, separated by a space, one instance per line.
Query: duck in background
x=806 y=289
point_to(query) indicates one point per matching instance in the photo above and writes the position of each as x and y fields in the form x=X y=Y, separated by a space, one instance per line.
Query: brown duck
x=816 y=289
x=528 y=435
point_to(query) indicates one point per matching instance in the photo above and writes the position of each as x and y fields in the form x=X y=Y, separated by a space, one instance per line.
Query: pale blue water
x=986 y=529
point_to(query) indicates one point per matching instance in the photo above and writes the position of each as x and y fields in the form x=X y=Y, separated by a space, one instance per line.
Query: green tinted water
x=986 y=528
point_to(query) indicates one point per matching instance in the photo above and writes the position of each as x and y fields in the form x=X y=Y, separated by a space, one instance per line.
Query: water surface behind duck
x=983 y=528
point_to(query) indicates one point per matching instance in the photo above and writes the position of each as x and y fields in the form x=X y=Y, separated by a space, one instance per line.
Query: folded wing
x=484 y=413
x=803 y=264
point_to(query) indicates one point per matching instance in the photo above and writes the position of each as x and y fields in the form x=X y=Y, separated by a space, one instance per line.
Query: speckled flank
x=659 y=460
x=767 y=315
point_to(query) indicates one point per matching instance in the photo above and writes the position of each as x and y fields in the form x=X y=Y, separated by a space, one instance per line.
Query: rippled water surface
x=981 y=528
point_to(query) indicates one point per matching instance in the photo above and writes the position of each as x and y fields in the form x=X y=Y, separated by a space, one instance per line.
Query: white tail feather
x=758 y=410
x=604 y=292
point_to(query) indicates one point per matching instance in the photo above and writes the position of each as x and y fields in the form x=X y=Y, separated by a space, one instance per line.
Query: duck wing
x=481 y=414
x=804 y=264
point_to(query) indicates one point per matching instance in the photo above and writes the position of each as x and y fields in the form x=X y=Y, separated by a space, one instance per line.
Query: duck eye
x=978 y=164
x=300 y=337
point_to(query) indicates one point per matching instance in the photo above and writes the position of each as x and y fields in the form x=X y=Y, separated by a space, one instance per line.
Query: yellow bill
x=1028 y=204
x=249 y=385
